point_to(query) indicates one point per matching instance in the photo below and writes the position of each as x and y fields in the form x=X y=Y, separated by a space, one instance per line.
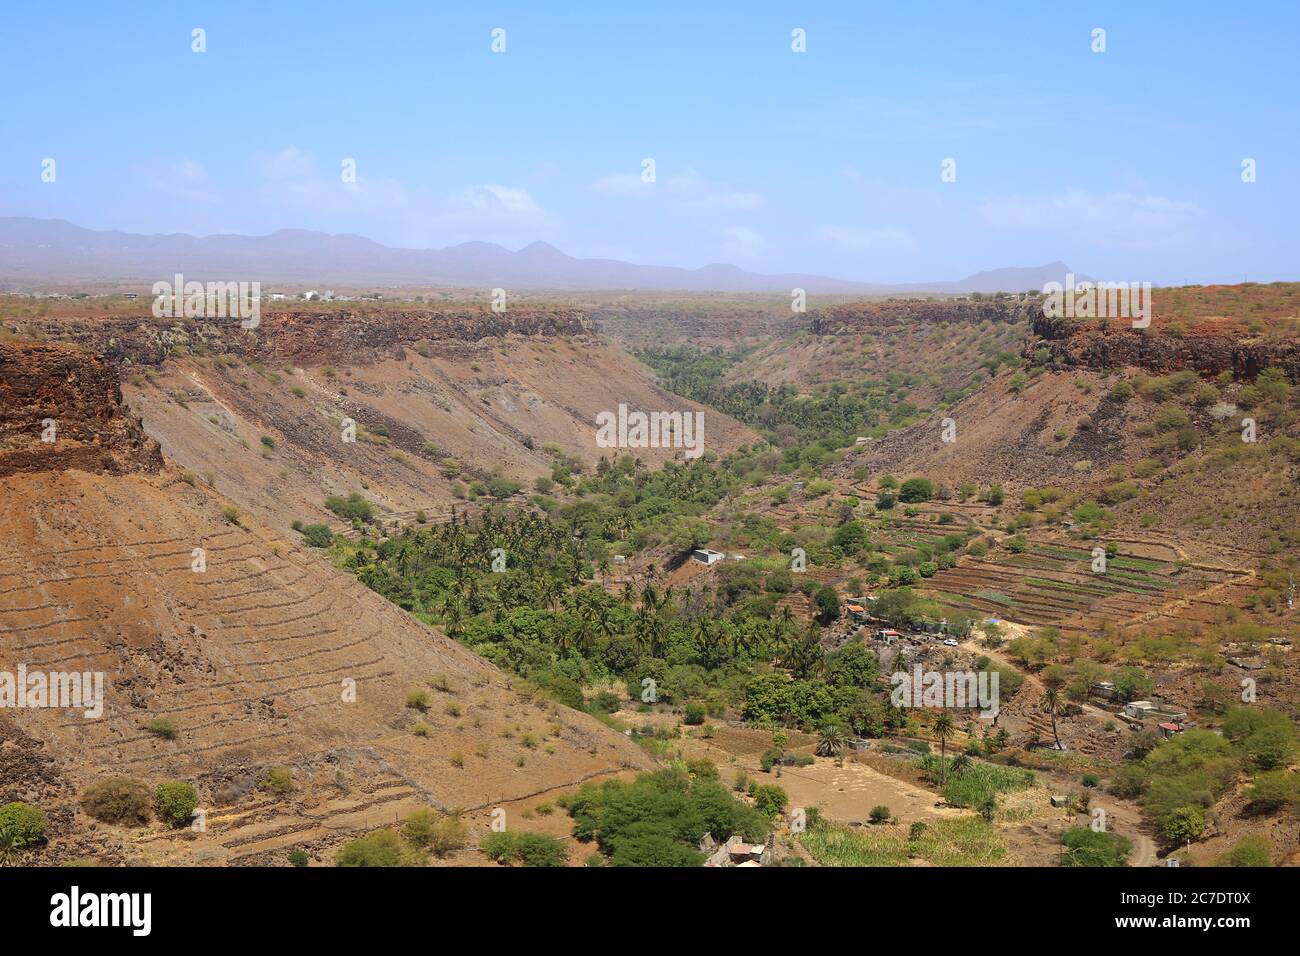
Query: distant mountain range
x=33 y=251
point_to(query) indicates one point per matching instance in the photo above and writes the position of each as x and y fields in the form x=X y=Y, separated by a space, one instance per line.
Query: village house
x=707 y=556
x=736 y=852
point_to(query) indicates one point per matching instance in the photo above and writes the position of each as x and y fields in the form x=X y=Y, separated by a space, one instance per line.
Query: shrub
x=278 y=780
x=162 y=727
x=417 y=700
x=1087 y=847
x=769 y=799
x=118 y=800
x=21 y=826
x=437 y=832
x=916 y=489
x=530 y=849
x=381 y=848
x=298 y=858
x=317 y=535
x=352 y=508
x=695 y=713
x=1249 y=851
x=879 y=814
x=231 y=514
x=174 y=801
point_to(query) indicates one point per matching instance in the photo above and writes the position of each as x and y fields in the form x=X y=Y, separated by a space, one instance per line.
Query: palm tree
x=943 y=730
x=1051 y=705
x=832 y=742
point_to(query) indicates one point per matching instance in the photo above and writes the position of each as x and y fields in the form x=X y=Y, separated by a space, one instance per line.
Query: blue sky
x=1125 y=164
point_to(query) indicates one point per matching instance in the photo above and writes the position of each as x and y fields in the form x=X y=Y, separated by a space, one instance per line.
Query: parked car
x=952 y=642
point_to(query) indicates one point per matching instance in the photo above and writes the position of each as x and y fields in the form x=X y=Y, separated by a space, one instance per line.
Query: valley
x=425 y=589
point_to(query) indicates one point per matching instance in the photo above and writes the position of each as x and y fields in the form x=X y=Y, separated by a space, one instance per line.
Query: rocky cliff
x=61 y=407
x=1105 y=345
x=312 y=335
x=894 y=313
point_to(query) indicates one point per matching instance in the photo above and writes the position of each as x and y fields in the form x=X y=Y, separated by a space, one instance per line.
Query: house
x=888 y=635
x=620 y=558
x=862 y=441
x=856 y=612
x=707 y=556
x=133 y=295
x=736 y=852
x=1169 y=729
x=1104 y=689
x=1138 y=708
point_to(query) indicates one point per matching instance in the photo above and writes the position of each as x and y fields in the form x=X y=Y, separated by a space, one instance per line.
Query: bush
x=530 y=849
x=417 y=700
x=502 y=487
x=769 y=799
x=174 y=801
x=162 y=727
x=21 y=825
x=381 y=848
x=1087 y=847
x=695 y=713
x=879 y=814
x=278 y=780
x=430 y=830
x=1249 y=851
x=317 y=535
x=352 y=508
x=118 y=800
x=916 y=489
x=298 y=858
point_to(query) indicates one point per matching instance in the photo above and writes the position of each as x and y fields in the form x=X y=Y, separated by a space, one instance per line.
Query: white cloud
x=882 y=241
x=1116 y=215
x=688 y=189
x=742 y=240
x=289 y=163
x=623 y=186
x=183 y=179
x=496 y=201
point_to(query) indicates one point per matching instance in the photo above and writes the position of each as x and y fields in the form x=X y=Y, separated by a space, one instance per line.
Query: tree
x=1183 y=824
x=832 y=742
x=21 y=826
x=1085 y=846
x=916 y=490
x=1051 y=705
x=944 y=727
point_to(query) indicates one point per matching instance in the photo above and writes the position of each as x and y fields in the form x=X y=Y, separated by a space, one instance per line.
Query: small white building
x=1138 y=708
x=707 y=556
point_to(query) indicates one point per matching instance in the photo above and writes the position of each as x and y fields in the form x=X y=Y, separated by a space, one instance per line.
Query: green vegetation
x=119 y=800
x=658 y=819
x=22 y=826
x=958 y=841
x=1180 y=779
x=530 y=849
x=1084 y=846
x=380 y=848
x=174 y=802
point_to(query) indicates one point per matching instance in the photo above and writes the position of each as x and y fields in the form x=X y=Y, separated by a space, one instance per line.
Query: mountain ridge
x=35 y=250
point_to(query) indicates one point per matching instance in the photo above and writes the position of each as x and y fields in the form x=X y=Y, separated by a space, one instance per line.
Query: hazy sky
x=1127 y=164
